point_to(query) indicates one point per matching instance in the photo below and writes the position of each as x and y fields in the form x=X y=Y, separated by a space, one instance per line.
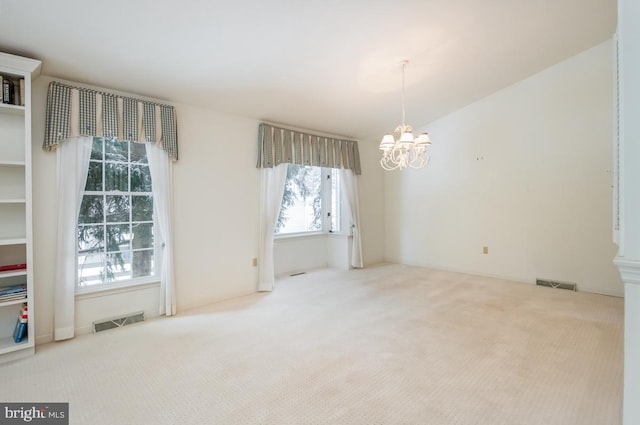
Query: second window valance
x=277 y=145
x=77 y=111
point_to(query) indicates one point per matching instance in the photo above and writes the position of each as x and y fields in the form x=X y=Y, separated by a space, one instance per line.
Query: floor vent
x=553 y=284
x=297 y=274
x=118 y=322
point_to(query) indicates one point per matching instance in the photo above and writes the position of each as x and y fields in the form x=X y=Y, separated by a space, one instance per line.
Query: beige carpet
x=385 y=345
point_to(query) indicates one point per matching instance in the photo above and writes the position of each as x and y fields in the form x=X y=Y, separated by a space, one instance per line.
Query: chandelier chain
x=403 y=94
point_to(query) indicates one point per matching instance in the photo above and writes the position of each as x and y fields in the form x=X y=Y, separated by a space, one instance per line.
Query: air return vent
x=117 y=322
x=554 y=284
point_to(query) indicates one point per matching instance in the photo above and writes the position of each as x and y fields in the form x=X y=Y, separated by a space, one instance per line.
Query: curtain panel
x=278 y=145
x=160 y=168
x=271 y=189
x=77 y=111
x=73 y=157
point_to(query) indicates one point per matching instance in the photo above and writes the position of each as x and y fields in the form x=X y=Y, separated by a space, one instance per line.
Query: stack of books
x=13 y=292
x=12 y=91
x=20 y=331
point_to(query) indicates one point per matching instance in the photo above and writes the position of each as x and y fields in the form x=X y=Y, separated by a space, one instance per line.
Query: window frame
x=128 y=283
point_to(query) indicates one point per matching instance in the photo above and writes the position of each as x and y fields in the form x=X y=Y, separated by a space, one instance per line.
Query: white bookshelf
x=16 y=206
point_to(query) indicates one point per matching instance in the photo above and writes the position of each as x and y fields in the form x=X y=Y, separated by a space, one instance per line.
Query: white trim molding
x=629 y=270
x=33 y=66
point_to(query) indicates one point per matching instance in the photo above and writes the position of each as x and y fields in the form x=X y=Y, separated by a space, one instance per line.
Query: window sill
x=339 y=235
x=305 y=235
x=102 y=291
x=310 y=235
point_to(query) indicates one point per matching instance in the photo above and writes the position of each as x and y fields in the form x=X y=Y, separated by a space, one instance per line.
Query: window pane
x=90 y=239
x=142 y=208
x=117 y=150
x=142 y=263
x=118 y=237
x=142 y=235
x=138 y=153
x=94 y=177
x=301 y=209
x=119 y=266
x=96 y=149
x=91 y=269
x=91 y=209
x=117 y=207
x=116 y=176
x=140 y=178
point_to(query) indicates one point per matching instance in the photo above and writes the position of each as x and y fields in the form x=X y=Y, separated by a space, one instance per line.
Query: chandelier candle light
x=405 y=151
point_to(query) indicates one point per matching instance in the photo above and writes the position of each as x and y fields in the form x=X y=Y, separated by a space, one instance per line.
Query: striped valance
x=277 y=145
x=77 y=111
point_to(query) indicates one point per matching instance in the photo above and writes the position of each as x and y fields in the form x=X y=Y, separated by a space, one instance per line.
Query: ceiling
x=329 y=65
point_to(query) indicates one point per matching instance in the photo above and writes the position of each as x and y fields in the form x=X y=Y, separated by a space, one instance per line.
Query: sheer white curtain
x=160 y=168
x=73 y=164
x=271 y=190
x=350 y=200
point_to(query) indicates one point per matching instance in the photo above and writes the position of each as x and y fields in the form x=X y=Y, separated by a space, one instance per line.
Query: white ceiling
x=325 y=65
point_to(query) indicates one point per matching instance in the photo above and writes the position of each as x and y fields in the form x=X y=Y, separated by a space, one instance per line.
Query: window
x=311 y=201
x=116 y=223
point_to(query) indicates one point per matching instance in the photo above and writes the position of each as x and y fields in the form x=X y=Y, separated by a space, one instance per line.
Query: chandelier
x=404 y=150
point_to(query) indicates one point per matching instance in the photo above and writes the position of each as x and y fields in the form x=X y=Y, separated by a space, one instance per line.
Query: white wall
x=525 y=172
x=216 y=194
x=298 y=254
x=304 y=253
x=215 y=218
x=371 y=194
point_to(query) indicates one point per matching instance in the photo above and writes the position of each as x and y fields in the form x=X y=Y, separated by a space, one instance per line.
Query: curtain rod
x=307 y=131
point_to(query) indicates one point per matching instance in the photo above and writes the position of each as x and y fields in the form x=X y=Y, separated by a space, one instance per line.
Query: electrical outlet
x=485 y=249
x=254 y=262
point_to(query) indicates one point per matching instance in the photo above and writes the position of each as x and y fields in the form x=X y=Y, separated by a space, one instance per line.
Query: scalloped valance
x=278 y=145
x=77 y=111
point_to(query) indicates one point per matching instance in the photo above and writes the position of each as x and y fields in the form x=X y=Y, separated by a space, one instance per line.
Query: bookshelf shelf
x=12 y=163
x=16 y=205
x=13 y=273
x=7 y=344
x=13 y=241
x=6 y=108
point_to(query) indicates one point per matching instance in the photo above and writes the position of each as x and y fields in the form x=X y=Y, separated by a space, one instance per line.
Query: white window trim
x=299 y=235
x=107 y=288
x=118 y=288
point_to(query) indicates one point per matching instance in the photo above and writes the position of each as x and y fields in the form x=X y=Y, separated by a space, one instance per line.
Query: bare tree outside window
x=301 y=209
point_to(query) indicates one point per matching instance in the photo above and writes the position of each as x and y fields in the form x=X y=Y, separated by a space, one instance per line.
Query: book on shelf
x=13 y=267
x=12 y=91
x=13 y=289
x=13 y=292
x=7 y=91
x=20 y=331
x=21 y=90
x=9 y=298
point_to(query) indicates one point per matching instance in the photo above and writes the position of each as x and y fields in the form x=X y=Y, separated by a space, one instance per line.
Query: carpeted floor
x=389 y=344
